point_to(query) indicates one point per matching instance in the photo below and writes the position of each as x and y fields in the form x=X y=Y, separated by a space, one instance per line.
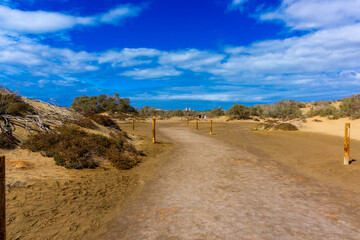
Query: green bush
x=147 y=111
x=256 y=111
x=102 y=103
x=324 y=111
x=283 y=109
x=350 y=107
x=238 y=111
x=216 y=112
x=73 y=148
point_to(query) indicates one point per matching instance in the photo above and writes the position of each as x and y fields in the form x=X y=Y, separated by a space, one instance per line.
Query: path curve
x=208 y=190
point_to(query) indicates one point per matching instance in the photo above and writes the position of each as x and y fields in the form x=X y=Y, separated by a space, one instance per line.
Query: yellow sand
x=332 y=127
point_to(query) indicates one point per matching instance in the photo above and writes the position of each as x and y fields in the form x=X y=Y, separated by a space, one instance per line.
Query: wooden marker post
x=197 y=125
x=2 y=199
x=153 y=130
x=210 y=127
x=133 y=124
x=347 y=144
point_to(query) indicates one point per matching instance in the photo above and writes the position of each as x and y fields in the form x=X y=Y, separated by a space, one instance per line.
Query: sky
x=174 y=54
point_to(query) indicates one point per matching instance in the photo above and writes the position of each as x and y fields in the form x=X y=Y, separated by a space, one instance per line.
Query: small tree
x=216 y=112
x=238 y=111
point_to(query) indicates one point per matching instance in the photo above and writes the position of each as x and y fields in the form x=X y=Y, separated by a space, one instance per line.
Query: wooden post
x=347 y=144
x=210 y=127
x=133 y=124
x=187 y=122
x=153 y=130
x=2 y=199
x=197 y=125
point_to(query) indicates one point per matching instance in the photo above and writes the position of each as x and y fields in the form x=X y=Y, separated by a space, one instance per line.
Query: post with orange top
x=197 y=125
x=210 y=127
x=347 y=144
x=2 y=199
x=153 y=130
x=133 y=124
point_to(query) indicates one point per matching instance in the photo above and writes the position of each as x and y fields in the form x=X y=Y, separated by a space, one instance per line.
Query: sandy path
x=208 y=190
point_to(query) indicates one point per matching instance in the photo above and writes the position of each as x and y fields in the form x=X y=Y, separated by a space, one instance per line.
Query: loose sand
x=236 y=184
x=332 y=127
x=46 y=201
x=231 y=186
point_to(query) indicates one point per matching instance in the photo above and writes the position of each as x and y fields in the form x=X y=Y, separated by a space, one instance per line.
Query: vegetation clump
x=103 y=120
x=102 y=103
x=238 y=111
x=324 y=109
x=73 y=148
x=147 y=111
x=13 y=104
x=83 y=122
x=285 y=127
x=7 y=142
x=283 y=109
x=216 y=112
x=350 y=107
x=263 y=126
x=273 y=126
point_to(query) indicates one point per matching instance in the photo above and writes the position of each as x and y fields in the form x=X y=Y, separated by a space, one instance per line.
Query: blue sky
x=180 y=53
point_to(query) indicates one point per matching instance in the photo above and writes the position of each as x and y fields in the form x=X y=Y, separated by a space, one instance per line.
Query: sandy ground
x=214 y=189
x=313 y=155
x=332 y=127
x=46 y=201
x=236 y=184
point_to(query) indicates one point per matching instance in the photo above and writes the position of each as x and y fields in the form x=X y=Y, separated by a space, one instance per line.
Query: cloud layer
x=320 y=63
x=45 y=22
x=316 y=14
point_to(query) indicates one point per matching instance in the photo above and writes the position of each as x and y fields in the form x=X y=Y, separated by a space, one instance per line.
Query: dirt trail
x=209 y=190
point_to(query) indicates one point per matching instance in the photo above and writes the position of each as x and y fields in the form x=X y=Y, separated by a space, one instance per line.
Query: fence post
x=210 y=127
x=347 y=144
x=197 y=125
x=2 y=199
x=153 y=130
x=133 y=124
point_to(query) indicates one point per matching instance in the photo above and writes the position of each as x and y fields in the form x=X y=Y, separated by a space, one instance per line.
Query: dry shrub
x=103 y=120
x=286 y=127
x=350 y=107
x=324 y=110
x=83 y=122
x=283 y=109
x=13 y=104
x=74 y=148
x=7 y=142
x=263 y=126
x=281 y=126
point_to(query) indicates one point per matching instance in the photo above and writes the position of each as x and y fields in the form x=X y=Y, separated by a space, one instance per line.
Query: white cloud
x=149 y=73
x=128 y=57
x=316 y=63
x=44 y=22
x=191 y=59
x=323 y=51
x=316 y=14
x=237 y=4
x=118 y=14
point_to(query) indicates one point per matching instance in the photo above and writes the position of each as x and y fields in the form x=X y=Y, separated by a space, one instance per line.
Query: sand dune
x=332 y=127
